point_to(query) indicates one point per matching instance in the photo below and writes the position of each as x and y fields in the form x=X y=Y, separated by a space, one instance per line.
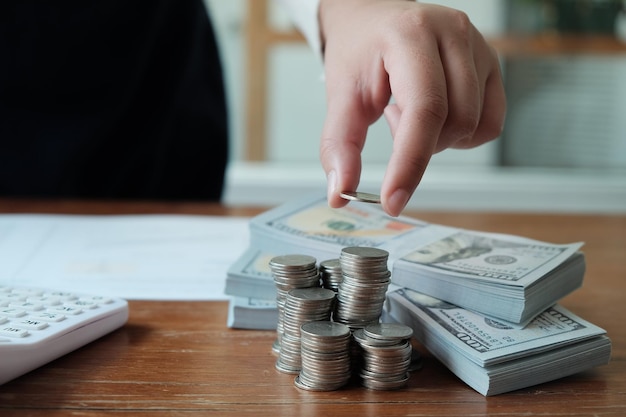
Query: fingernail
x=331 y=178
x=397 y=202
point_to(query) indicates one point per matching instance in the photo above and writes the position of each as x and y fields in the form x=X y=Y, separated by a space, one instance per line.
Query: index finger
x=418 y=85
x=343 y=138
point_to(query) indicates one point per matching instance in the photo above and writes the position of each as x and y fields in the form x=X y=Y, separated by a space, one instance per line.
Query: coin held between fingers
x=360 y=196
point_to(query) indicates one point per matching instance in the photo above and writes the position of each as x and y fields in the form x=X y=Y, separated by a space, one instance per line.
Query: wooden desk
x=180 y=358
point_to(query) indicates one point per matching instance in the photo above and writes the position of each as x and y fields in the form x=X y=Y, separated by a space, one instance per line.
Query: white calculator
x=39 y=325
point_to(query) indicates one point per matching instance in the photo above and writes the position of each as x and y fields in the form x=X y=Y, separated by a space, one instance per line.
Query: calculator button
x=14 y=297
x=87 y=305
x=64 y=296
x=48 y=301
x=10 y=331
x=25 y=305
x=31 y=324
x=66 y=310
x=98 y=299
x=12 y=312
x=48 y=316
x=28 y=292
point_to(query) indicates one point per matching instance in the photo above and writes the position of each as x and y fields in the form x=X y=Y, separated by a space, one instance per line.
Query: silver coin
x=285 y=368
x=325 y=329
x=293 y=261
x=389 y=331
x=364 y=253
x=383 y=385
x=330 y=387
x=394 y=351
x=359 y=196
x=315 y=294
x=330 y=265
x=276 y=347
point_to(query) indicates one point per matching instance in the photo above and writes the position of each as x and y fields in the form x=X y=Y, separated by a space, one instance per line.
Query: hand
x=445 y=81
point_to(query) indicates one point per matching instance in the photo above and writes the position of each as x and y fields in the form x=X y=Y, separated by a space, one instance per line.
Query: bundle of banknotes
x=494 y=358
x=485 y=304
x=506 y=277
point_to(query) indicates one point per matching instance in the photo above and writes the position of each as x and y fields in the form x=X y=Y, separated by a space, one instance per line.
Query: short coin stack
x=330 y=274
x=289 y=272
x=302 y=305
x=361 y=294
x=325 y=356
x=386 y=355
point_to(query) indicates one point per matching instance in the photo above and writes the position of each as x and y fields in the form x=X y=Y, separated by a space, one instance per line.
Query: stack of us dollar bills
x=502 y=276
x=493 y=357
x=507 y=281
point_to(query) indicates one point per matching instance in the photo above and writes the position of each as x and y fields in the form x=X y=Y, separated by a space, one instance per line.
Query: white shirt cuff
x=303 y=14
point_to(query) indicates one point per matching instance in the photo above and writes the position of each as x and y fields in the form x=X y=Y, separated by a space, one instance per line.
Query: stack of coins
x=302 y=305
x=289 y=272
x=361 y=294
x=330 y=274
x=325 y=356
x=386 y=355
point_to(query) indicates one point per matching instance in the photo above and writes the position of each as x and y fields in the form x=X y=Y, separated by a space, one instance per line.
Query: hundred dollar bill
x=493 y=357
x=489 y=257
x=252 y=313
x=311 y=224
x=251 y=276
x=505 y=276
x=487 y=341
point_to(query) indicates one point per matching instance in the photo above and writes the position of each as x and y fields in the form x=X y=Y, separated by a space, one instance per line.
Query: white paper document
x=156 y=257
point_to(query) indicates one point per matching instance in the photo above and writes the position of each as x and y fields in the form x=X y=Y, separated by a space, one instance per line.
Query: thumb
x=343 y=138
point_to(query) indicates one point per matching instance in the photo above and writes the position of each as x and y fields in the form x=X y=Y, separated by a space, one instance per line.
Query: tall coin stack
x=361 y=294
x=325 y=356
x=302 y=305
x=289 y=272
x=386 y=355
x=330 y=274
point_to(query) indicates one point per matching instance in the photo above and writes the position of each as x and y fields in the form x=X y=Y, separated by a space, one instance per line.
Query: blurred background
x=564 y=143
